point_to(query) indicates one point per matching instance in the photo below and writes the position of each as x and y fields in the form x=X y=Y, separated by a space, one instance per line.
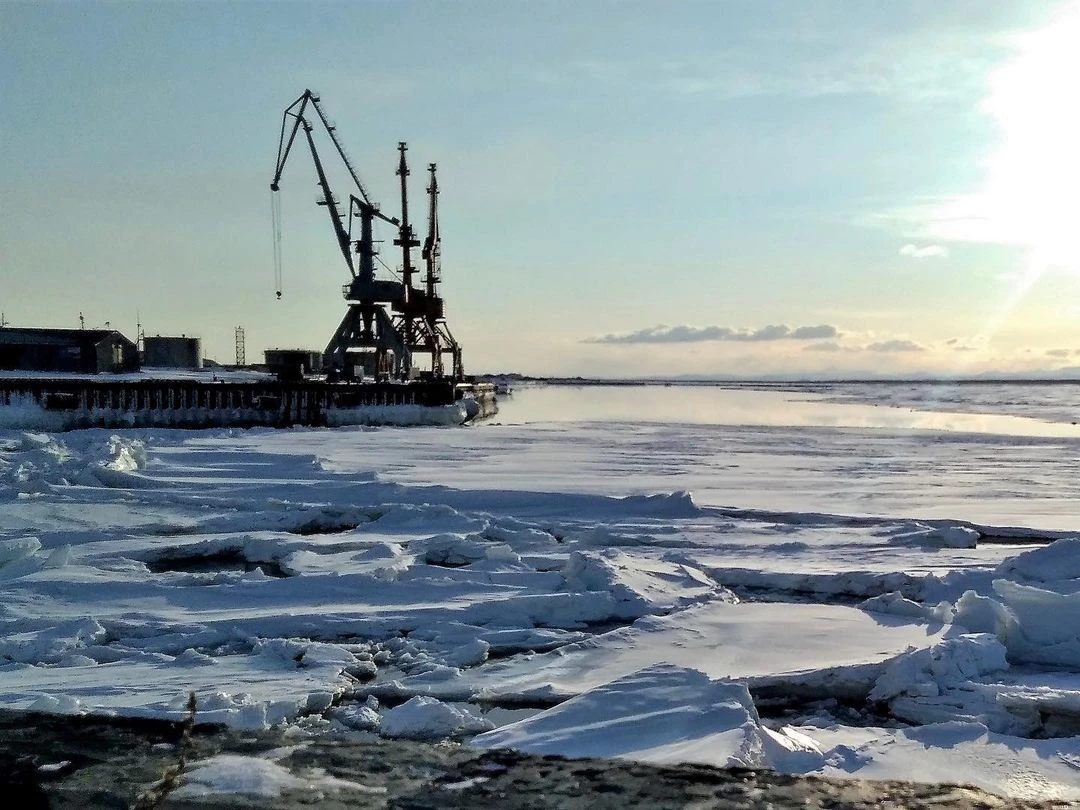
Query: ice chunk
x=791 y=751
x=58 y=704
x=1047 y=627
x=1058 y=561
x=115 y=465
x=944 y=684
x=50 y=645
x=955 y=752
x=450 y=550
x=468 y=654
x=981 y=614
x=59 y=557
x=425 y=718
x=895 y=604
x=18 y=548
x=661 y=714
x=947 y=664
x=640 y=585
x=231 y=773
x=360 y=718
x=193 y=658
x=950 y=536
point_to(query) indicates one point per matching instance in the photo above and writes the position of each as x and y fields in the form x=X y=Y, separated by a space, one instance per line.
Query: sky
x=627 y=188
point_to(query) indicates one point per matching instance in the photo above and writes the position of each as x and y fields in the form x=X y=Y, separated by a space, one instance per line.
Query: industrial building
x=87 y=351
x=172 y=352
x=293 y=364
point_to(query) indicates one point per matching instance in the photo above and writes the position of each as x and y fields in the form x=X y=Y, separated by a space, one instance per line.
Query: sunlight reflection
x=746 y=407
x=1033 y=176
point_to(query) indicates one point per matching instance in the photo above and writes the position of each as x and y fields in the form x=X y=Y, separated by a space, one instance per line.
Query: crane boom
x=331 y=205
x=296 y=112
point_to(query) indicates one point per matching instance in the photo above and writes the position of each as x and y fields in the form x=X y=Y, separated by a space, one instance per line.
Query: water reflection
x=714 y=405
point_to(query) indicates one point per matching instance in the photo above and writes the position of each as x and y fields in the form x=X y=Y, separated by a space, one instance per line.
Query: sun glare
x=1030 y=197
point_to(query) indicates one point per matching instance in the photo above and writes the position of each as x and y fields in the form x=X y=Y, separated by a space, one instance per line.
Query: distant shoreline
x=773 y=382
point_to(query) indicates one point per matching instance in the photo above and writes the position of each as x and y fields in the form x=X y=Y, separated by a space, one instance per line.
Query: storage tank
x=172 y=352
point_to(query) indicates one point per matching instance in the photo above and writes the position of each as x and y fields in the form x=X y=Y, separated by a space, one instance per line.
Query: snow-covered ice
x=661 y=714
x=262 y=777
x=853 y=587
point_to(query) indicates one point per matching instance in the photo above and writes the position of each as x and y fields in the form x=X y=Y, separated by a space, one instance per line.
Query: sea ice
x=1047 y=627
x=425 y=718
x=290 y=577
x=953 y=752
x=662 y=714
x=259 y=776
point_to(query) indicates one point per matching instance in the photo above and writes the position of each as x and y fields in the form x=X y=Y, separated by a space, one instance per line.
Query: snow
x=719 y=639
x=1047 y=624
x=425 y=718
x=550 y=582
x=956 y=752
x=661 y=714
x=1056 y=562
x=259 y=776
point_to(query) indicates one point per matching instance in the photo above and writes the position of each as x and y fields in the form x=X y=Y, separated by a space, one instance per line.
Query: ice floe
x=557 y=588
x=661 y=714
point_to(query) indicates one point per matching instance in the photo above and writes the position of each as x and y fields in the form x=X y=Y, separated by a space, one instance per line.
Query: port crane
x=370 y=340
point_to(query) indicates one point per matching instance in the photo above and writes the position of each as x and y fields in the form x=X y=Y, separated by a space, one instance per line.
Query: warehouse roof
x=54 y=337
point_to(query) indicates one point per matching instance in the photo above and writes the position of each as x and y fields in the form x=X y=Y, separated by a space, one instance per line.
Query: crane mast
x=432 y=243
x=370 y=340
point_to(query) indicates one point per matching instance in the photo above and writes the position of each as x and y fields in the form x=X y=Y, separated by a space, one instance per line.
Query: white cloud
x=695 y=334
x=924 y=252
x=895 y=345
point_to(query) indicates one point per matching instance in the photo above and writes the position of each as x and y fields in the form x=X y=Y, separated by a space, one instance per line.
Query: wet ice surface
x=887 y=586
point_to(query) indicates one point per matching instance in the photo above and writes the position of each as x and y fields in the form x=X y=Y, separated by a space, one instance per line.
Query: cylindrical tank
x=172 y=352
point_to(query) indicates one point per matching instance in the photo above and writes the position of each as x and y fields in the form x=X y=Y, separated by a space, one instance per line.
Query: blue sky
x=628 y=188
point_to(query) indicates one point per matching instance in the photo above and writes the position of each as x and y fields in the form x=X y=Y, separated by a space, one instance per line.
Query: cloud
x=694 y=334
x=895 y=346
x=815 y=332
x=958 y=345
x=1061 y=352
x=925 y=252
x=922 y=65
x=828 y=346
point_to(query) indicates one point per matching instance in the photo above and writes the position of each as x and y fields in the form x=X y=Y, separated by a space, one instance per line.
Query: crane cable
x=275 y=225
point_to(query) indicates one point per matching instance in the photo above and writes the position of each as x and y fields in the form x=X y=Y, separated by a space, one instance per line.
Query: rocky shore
x=83 y=762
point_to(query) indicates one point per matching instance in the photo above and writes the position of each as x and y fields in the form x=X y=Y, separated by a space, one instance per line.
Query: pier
x=83 y=403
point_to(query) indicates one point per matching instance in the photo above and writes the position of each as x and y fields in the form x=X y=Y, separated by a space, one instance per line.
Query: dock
x=191 y=403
